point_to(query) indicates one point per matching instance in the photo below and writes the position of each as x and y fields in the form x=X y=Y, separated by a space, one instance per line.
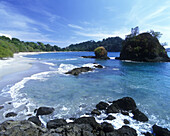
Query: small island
x=143 y=47
x=100 y=53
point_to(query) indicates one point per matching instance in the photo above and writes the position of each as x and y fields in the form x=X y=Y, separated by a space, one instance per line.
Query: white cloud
x=75 y=26
x=98 y=35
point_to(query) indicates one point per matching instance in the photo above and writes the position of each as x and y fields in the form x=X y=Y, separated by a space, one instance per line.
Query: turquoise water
x=71 y=96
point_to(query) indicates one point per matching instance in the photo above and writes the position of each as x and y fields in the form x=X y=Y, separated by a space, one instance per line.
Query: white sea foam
x=69 y=120
x=18 y=98
x=49 y=63
x=71 y=59
x=117 y=123
x=63 y=68
x=91 y=65
x=115 y=69
x=112 y=58
x=64 y=108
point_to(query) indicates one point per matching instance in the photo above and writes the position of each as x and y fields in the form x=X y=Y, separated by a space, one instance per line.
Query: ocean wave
x=63 y=68
x=71 y=59
x=112 y=58
x=48 y=63
x=17 y=98
x=91 y=65
x=115 y=69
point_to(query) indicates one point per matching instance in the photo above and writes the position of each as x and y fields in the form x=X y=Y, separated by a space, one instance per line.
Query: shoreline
x=89 y=124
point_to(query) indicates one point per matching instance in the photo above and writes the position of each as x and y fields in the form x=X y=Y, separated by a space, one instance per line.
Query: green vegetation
x=112 y=44
x=9 y=46
x=100 y=52
x=144 y=47
x=155 y=34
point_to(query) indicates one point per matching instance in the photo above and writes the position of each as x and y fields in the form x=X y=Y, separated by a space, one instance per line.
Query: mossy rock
x=101 y=53
x=143 y=47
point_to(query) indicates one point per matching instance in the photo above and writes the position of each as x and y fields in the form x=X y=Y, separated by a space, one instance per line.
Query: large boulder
x=77 y=71
x=107 y=127
x=143 y=47
x=125 y=104
x=139 y=116
x=159 y=131
x=21 y=128
x=101 y=53
x=127 y=131
x=44 y=111
x=35 y=120
x=56 y=123
x=102 y=105
x=87 y=120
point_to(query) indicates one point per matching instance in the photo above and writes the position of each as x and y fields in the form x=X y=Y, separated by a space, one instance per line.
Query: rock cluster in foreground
x=83 y=126
x=143 y=47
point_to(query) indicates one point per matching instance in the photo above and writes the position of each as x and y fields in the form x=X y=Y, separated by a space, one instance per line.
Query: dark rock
x=124 y=104
x=88 y=57
x=53 y=124
x=114 y=133
x=143 y=47
x=35 y=110
x=10 y=114
x=75 y=130
x=127 y=131
x=98 y=66
x=107 y=127
x=21 y=128
x=87 y=120
x=126 y=121
x=147 y=134
x=77 y=71
x=9 y=102
x=125 y=113
x=112 y=109
x=72 y=119
x=110 y=117
x=1 y=107
x=96 y=112
x=102 y=105
x=35 y=120
x=29 y=114
x=101 y=53
x=159 y=131
x=139 y=116
x=44 y=111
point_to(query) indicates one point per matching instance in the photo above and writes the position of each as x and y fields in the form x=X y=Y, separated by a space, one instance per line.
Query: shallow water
x=71 y=96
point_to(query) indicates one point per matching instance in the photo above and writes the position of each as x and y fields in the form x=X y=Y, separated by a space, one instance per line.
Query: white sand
x=16 y=64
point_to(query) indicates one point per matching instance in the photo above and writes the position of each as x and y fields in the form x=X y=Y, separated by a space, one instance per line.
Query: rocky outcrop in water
x=126 y=105
x=100 y=53
x=143 y=47
x=77 y=71
x=83 y=126
x=10 y=114
x=159 y=131
x=45 y=110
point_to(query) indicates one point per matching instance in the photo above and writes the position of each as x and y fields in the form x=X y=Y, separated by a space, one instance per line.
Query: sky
x=65 y=22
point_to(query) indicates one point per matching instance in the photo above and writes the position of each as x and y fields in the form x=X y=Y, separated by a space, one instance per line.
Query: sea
x=46 y=84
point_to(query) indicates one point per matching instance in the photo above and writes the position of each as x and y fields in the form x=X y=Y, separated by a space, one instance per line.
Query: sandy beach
x=16 y=64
